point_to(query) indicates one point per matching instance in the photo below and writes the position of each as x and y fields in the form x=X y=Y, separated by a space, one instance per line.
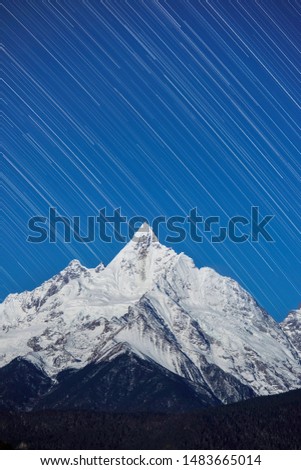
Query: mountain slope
x=125 y=384
x=190 y=322
x=21 y=385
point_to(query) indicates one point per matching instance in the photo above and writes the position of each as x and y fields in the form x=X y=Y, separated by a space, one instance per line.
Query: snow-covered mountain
x=292 y=327
x=150 y=309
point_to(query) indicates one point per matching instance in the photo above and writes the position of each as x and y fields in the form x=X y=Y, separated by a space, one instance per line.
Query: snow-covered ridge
x=292 y=328
x=156 y=303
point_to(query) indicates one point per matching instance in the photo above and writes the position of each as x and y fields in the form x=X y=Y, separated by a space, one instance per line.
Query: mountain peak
x=137 y=266
x=140 y=246
x=144 y=233
x=100 y=267
x=291 y=325
x=74 y=269
x=75 y=263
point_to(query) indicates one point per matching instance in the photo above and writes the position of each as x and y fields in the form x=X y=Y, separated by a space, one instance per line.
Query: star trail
x=155 y=107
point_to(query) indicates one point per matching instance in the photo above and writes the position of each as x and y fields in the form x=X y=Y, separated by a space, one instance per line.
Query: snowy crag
x=292 y=327
x=148 y=332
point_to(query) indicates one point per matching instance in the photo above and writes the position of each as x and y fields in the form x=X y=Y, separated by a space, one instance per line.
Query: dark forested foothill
x=272 y=422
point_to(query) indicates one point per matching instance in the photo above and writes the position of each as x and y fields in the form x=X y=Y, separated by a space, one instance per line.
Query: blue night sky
x=155 y=107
